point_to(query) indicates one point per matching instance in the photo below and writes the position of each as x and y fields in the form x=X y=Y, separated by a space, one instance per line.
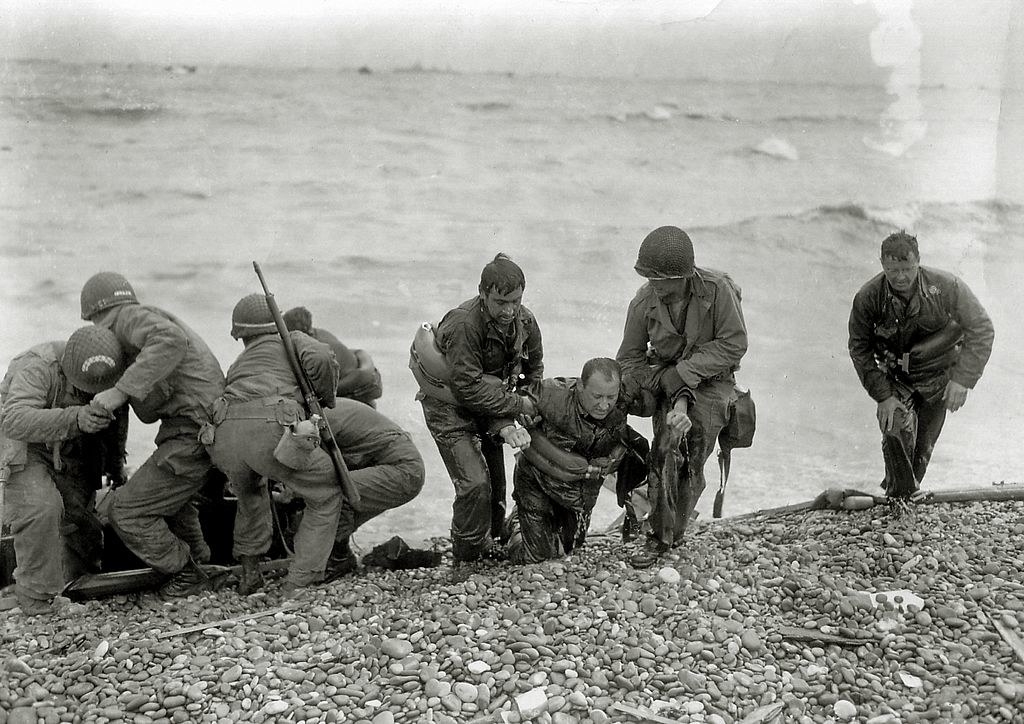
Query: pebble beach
x=820 y=616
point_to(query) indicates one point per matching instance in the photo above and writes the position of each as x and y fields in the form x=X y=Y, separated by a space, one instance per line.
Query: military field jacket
x=172 y=373
x=474 y=346
x=262 y=370
x=705 y=339
x=881 y=321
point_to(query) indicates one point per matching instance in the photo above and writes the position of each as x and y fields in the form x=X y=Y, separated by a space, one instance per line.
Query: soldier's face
x=669 y=290
x=503 y=307
x=901 y=273
x=599 y=395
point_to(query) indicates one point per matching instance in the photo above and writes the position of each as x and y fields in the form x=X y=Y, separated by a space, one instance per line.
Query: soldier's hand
x=517 y=438
x=92 y=418
x=886 y=412
x=110 y=399
x=678 y=419
x=955 y=396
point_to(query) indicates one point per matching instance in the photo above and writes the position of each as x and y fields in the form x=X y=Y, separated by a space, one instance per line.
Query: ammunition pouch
x=739 y=430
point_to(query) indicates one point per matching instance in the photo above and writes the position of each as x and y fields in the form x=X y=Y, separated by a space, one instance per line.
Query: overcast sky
x=954 y=42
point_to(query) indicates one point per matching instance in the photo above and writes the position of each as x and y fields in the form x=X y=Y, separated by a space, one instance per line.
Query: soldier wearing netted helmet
x=172 y=377
x=683 y=339
x=56 y=448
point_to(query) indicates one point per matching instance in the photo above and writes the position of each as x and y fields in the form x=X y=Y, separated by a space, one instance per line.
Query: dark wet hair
x=605 y=365
x=298 y=319
x=900 y=246
x=502 y=274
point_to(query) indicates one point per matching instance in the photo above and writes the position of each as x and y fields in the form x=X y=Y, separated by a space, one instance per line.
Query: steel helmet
x=93 y=359
x=666 y=253
x=105 y=290
x=252 y=317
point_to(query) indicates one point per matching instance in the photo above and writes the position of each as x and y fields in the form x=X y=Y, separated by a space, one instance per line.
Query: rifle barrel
x=313 y=406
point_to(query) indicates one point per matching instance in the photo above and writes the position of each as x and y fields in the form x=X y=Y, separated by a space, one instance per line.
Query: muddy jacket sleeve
x=725 y=350
x=979 y=335
x=319 y=364
x=27 y=412
x=464 y=354
x=862 y=350
x=161 y=343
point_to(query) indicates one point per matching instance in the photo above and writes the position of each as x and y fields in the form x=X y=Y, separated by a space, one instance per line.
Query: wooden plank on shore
x=1011 y=638
x=807 y=634
x=222 y=622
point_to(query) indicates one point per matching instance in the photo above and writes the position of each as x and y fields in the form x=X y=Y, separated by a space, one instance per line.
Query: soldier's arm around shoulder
x=979 y=335
x=27 y=414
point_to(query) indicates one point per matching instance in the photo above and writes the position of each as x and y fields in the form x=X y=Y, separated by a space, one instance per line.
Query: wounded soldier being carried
x=578 y=437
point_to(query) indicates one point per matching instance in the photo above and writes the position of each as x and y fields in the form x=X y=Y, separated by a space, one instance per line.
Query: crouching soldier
x=57 y=447
x=173 y=377
x=262 y=433
x=358 y=378
x=580 y=436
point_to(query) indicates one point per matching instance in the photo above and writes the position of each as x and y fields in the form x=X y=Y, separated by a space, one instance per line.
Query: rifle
x=313 y=406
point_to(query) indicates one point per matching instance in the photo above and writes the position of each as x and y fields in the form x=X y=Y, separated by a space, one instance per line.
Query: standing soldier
x=683 y=339
x=57 y=447
x=172 y=377
x=492 y=348
x=262 y=433
x=919 y=340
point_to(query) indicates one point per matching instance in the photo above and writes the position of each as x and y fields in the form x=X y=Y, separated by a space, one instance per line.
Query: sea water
x=375 y=199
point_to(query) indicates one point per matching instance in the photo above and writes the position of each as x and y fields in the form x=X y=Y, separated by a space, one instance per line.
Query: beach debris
x=217 y=624
x=910 y=681
x=1011 y=638
x=845 y=709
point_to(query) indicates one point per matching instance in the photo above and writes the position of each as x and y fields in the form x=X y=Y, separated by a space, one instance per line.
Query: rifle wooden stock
x=313 y=406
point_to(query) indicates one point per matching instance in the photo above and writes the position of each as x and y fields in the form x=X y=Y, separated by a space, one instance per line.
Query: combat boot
x=341 y=562
x=252 y=576
x=190 y=579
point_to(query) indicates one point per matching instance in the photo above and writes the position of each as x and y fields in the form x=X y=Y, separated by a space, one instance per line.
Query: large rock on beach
x=801 y=618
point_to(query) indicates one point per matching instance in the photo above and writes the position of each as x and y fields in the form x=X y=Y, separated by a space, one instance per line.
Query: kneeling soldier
x=262 y=433
x=57 y=447
x=580 y=436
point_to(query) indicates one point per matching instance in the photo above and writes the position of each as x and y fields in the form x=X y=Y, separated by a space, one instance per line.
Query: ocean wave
x=48 y=107
x=776 y=148
x=855 y=216
x=811 y=118
x=487 y=106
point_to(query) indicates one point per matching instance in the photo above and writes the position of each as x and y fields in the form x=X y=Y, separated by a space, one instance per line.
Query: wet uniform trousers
x=551 y=516
x=907 y=447
x=384 y=465
x=676 y=480
x=475 y=464
x=43 y=506
x=153 y=512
